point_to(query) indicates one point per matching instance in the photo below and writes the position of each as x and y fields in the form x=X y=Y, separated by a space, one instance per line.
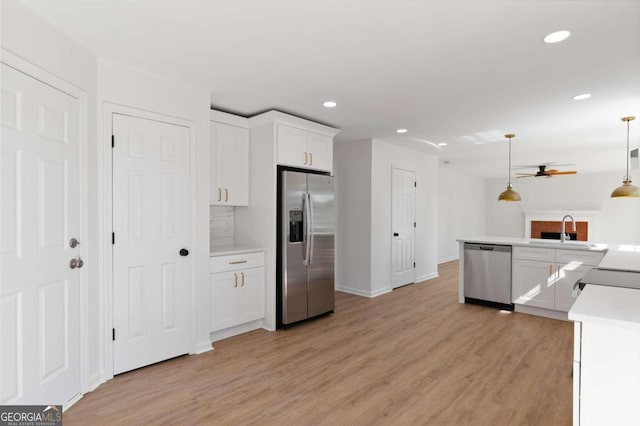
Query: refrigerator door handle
x=311 y=234
x=305 y=238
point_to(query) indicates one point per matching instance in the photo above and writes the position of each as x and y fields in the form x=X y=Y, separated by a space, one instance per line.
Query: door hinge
x=414 y=224
x=113 y=141
x=414 y=264
x=113 y=238
x=113 y=334
x=415 y=184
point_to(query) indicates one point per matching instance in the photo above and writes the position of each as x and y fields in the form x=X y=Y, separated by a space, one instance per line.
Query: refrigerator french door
x=306 y=246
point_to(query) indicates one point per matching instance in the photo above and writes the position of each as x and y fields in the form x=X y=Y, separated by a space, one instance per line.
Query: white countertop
x=533 y=242
x=624 y=257
x=233 y=249
x=613 y=305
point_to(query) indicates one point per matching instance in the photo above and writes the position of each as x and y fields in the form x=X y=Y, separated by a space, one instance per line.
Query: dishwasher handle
x=486 y=248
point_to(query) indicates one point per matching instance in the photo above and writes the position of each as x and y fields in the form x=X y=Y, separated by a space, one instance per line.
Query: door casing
x=14 y=61
x=106 y=220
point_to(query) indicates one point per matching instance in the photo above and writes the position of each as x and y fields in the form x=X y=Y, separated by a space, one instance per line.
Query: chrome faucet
x=564 y=237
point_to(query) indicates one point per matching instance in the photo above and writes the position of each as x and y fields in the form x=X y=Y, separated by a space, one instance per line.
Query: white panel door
x=151 y=223
x=403 y=192
x=39 y=292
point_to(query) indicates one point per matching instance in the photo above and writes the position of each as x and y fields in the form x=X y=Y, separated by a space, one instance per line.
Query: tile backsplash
x=221 y=226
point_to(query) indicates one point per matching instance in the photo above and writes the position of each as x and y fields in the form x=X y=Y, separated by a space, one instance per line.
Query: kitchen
x=456 y=185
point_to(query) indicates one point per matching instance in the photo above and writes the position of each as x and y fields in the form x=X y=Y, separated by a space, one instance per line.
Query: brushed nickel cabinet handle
x=311 y=159
x=236 y=262
x=305 y=158
x=219 y=194
x=235 y=280
x=226 y=195
x=550 y=270
x=242 y=274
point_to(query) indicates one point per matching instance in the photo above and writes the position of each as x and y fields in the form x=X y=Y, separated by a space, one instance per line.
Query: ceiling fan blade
x=518 y=177
x=552 y=171
x=568 y=172
x=525 y=174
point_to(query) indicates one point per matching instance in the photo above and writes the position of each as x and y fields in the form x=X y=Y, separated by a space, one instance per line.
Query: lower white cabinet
x=237 y=290
x=544 y=278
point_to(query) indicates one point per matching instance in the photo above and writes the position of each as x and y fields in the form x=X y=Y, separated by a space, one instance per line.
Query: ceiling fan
x=543 y=172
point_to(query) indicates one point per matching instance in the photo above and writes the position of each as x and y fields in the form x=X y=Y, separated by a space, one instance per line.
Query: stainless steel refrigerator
x=306 y=246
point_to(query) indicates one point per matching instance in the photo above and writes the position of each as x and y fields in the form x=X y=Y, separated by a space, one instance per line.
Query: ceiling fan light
x=626 y=190
x=509 y=195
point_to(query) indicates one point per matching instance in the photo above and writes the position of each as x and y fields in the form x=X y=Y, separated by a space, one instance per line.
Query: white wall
x=352 y=169
x=33 y=39
x=122 y=85
x=461 y=210
x=363 y=197
x=426 y=246
x=618 y=220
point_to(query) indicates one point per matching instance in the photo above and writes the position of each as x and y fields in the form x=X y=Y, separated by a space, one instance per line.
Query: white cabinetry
x=544 y=278
x=229 y=160
x=304 y=149
x=237 y=289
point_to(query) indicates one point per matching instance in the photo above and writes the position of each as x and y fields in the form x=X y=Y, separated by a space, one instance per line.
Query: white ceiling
x=460 y=72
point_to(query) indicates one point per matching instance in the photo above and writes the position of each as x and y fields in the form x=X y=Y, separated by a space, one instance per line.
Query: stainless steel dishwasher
x=487 y=275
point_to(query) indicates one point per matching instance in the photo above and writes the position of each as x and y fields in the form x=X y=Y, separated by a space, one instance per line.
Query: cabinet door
x=568 y=274
x=229 y=165
x=320 y=149
x=224 y=300
x=533 y=283
x=292 y=146
x=233 y=165
x=250 y=295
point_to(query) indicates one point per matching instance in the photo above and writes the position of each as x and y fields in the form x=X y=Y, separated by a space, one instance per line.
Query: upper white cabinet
x=229 y=160
x=305 y=149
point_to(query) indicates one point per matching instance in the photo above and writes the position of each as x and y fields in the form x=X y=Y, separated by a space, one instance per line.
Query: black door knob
x=395 y=234
x=184 y=252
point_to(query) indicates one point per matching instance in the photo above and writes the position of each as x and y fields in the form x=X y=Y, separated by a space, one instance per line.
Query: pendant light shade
x=509 y=194
x=626 y=190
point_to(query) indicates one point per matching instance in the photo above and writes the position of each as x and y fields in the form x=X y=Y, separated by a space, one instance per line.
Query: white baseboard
x=363 y=293
x=234 y=331
x=448 y=259
x=67 y=404
x=96 y=380
x=427 y=277
x=541 y=312
x=202 y=347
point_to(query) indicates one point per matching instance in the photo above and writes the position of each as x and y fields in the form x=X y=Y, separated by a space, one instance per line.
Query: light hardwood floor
x=413 y=356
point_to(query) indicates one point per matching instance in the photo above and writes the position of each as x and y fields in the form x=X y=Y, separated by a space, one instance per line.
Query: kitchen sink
x=558 y=243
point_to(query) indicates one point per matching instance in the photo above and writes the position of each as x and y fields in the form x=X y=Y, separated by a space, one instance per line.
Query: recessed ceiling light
x=329 y=104
x=582 y=96
x=442 y=144
x=557 y=37
x=401 y=131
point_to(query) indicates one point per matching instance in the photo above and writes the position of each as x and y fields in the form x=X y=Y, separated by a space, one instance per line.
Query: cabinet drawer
x=584 y=257
x=234 y=262
x=534 y=253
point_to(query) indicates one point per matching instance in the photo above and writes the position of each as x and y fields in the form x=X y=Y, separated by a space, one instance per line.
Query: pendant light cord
x=510 y=160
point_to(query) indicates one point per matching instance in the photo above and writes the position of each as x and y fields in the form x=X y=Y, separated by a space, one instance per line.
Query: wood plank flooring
x=413 y=356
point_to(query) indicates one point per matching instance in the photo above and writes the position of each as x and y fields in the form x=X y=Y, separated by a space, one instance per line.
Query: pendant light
x=626 y=190
x=509 y=194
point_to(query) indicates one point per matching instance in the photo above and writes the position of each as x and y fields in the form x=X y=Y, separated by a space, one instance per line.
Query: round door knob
x=73 y=263
x=184 y=252
x=80 y=263
x=73 y=243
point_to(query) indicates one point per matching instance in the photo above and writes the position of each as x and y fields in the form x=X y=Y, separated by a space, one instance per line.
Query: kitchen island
x=543 y=272
x=606 y=375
